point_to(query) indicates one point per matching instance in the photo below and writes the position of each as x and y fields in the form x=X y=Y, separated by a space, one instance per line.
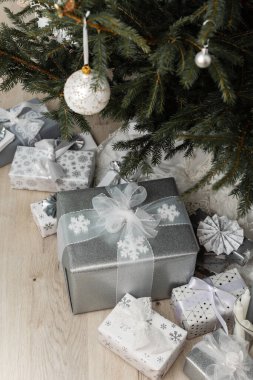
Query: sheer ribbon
x=25 y=126
x=48 y=165
x=219 y=298
x=119 y=214
x=138 y=318
x=230 y=357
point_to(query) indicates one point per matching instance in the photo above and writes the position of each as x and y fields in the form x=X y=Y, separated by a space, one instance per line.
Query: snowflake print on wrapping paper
x=163 y=326
x=41 y=216
x=125 y=302
x=79 y=224
x=108 y=323
x=160 y=359
x=48 y=226
x=175 y=336
x=82 y=159
x=168 y=212
x=132 y=247
x=76 y=173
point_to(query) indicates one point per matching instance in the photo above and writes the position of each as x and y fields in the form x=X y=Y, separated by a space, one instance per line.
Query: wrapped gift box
x=46 y=224
x=77 y=165
x=193 y=306
x=49 y=130
x=145 y=340
x=219 y=356
x=90 y=267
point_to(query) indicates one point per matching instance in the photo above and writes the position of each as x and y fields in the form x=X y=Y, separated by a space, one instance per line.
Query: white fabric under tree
x=187 y=172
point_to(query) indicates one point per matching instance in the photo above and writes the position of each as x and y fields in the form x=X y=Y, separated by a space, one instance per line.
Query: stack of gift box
x=123 y=244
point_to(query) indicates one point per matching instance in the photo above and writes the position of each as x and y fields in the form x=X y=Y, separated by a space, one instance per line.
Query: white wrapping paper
x=194 y=308
x=142 y=337
x=77 y=165
x=46 y=224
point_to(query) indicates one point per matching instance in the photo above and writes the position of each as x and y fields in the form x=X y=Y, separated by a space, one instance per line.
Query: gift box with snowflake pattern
x=142 y=337
x=25 y=170
x=90 y=267
x=46 y=224
x=194 y=305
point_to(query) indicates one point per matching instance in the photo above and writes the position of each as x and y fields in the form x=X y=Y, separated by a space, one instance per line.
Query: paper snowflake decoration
x=79 y=224
x=132 y=247
x=168 y=212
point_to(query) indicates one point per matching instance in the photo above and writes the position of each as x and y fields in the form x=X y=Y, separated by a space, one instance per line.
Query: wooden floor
x=39 y=337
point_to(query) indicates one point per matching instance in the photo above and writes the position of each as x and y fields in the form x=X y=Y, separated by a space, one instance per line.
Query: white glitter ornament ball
x=82 y=98
x=203 y=59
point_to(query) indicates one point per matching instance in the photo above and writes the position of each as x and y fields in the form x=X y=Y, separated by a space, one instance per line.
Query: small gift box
x=6 y=138
x=44 y=215
x=28 y=124
x=219 y=357
x=37 y=168
x=124 y=239
x=202 y=306
x=142 y=337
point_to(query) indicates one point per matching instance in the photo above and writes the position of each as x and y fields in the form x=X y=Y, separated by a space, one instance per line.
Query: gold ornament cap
x=86 y=69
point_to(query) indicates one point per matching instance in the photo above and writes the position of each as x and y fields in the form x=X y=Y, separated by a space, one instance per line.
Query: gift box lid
x=91 y=255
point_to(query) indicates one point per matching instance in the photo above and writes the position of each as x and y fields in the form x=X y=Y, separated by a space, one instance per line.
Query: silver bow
x=119 y=214
x=49 y=205
x=218 y=297
x=219 y=234
x=229 y=355
x=25 y=126
x=48 y=165
x=2 y=133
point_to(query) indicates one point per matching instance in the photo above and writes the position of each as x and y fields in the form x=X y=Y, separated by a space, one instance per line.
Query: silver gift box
x=197 y=363
x=90 y=267
x=50 y=130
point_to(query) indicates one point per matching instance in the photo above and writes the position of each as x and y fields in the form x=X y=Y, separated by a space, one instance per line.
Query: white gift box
x=8 y=138
x=25 y=170
x=196 y=306
x=46 y=224
x=142 y=337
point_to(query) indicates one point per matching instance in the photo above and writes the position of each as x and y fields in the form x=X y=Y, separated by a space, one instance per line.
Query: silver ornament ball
x=203 y=59
x=81 y=96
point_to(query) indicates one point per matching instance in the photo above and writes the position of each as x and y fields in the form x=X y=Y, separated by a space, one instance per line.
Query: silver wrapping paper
x=50 y=130
x=196 y=363
x=91 y=267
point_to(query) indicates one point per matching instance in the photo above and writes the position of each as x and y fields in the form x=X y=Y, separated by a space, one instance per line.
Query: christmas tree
x=147 y=49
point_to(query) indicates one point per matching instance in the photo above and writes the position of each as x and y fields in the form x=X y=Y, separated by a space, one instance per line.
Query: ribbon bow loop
x=116 y=212
x=139 y=319
x=48 y=165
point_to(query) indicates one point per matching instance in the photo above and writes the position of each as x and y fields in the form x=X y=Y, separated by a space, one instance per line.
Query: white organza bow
x=143 y=334
x=25 y=126
x=231 y=360
x=116 y=213
x=48 y=165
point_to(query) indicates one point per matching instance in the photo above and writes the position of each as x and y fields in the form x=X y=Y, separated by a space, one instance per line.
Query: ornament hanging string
x=86 y=68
